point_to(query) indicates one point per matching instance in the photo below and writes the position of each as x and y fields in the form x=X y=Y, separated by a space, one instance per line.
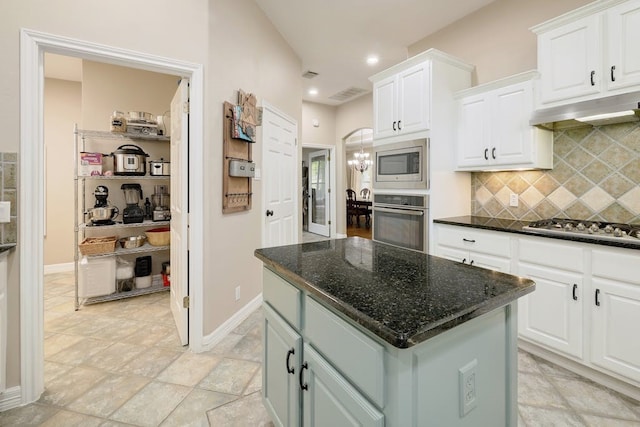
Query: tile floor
x=121 y=364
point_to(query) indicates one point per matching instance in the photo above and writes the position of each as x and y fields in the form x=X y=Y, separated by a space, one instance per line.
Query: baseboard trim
x=209 y=341
x=580 y=369
x=10 y=398
x=58 y=268
x=341 y=236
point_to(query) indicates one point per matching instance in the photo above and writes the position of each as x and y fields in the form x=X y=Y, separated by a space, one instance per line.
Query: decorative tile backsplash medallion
x=595 y=176
x=9 y=192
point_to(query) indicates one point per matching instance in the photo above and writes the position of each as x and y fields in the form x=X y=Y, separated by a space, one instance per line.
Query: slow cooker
x=129 y=159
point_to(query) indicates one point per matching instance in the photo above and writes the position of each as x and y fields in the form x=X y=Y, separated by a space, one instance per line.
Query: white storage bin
x=97 y=277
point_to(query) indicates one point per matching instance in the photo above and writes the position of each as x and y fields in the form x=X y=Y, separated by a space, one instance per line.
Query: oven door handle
x=400 y=211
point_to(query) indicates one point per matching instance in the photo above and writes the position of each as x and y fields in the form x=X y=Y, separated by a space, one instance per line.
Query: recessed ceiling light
x=372 y=60
x=313 y=91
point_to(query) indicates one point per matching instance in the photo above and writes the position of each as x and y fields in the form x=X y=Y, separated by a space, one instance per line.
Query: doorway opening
x=358 y=189
x=32 y=190
x=318 y=201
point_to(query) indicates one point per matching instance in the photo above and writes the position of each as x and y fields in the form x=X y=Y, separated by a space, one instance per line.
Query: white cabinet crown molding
x=573 y=15
x=431 y=54
x=497 y=84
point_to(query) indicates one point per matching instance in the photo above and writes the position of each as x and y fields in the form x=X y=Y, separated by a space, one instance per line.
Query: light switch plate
x=5 y=211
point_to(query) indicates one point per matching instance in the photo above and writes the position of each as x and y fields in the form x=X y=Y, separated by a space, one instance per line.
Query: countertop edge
x=463 y=221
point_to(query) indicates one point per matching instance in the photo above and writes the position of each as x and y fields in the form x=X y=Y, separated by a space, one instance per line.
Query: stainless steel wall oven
x=402 y=220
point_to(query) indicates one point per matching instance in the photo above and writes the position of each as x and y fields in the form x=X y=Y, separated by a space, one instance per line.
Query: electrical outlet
x=467 y=380
x=513 y=200
x=237 y=293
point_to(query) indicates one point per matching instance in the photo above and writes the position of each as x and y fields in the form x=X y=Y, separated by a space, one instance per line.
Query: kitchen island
x=362 y=333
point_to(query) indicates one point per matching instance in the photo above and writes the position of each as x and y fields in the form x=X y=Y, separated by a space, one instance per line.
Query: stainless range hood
x=596 y=112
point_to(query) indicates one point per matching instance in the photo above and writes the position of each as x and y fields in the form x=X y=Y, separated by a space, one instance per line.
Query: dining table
x=362 y=207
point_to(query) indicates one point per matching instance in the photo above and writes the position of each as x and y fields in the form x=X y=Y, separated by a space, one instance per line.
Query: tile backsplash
x=595 y=176
x=9 y=192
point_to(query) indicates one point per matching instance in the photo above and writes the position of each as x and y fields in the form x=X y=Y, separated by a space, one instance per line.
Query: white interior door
x=179 y=210
x=279 y=158
x=319 y=185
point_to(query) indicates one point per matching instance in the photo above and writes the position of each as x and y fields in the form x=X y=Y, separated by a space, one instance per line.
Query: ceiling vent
x=347 y=94
x=309 y=74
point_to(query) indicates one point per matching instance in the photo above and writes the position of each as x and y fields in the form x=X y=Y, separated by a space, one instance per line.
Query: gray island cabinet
x=359 y=333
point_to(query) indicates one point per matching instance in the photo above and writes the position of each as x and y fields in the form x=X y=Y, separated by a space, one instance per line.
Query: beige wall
x=247 y=52
x=325 y=133
x=496 y=38
x=62 y=109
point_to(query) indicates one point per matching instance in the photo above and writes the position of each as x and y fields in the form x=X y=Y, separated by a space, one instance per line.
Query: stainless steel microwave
x=403 y=165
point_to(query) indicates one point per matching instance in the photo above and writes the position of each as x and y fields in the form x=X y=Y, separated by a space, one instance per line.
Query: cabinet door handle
x=598 y=297
x=269 y=212
x=289 y=353
x=394 y=126
x=493 y=153
x=575 y=289
x=464 y=260
x=303 y=386
x=468 y=240
x=399 y=127
x=613 y=77
x=486 y=154
x=593 y=73
x=471 y=263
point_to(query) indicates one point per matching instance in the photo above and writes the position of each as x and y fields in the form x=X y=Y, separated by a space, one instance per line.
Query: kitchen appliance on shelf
x=129 y=159
x=102 y=213
x=160 y=203
x=592 y=230
x=159 y=167
x=403 y=165
x=402 y=220
x=133 y=213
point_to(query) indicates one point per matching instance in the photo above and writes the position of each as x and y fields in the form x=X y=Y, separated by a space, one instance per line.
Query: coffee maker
x=132 y=196
x=160 y=203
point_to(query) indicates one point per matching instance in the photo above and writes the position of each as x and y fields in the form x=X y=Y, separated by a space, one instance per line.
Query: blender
x=160 y=202
x=132 y=196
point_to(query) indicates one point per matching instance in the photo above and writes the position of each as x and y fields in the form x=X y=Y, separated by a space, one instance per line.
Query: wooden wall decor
x=236 y=191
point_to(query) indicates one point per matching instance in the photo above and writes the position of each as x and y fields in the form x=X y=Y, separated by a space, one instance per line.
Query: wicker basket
x=98 y=245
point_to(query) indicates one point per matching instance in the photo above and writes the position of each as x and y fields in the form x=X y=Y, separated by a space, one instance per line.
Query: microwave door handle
x=400 y=211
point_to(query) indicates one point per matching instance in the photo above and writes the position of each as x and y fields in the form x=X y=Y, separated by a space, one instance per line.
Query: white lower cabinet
x=552 y=314
x=615 y=312
x=486 y=249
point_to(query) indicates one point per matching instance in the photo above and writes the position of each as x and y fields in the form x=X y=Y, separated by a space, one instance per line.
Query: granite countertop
x=514 y=226
x=6 y=247
x=403 y=297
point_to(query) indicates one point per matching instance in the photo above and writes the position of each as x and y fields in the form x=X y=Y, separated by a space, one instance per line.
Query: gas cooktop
x=596 y=230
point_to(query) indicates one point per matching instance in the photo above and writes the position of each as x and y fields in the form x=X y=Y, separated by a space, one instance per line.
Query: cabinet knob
x=269 y=212
x=593 y=73
x=613 y=77
x=303 y=386
x=289 y=353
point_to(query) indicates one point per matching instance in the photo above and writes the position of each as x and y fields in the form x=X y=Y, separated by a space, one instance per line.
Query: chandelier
x=361 y=160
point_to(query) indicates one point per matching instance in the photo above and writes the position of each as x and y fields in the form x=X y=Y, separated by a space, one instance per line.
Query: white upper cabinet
x=623 y=45
x=589 y=53
x=494 y=131
x=401 y=102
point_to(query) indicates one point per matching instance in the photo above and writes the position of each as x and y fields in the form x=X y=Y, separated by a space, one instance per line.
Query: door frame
x=297 y=212
x=332 y=177
x=33 y=45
